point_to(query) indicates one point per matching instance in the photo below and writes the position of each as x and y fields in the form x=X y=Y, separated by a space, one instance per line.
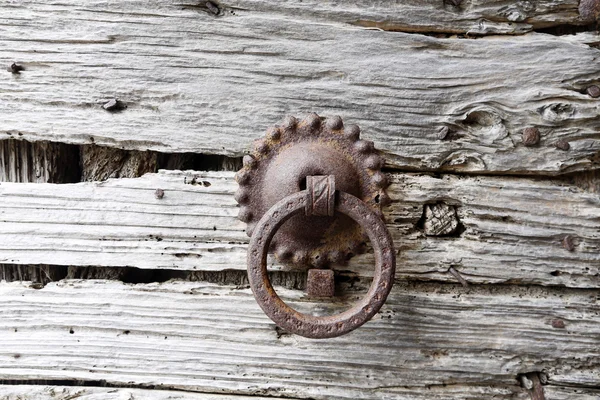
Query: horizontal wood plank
x=196 y=83
x=46 y=392
x=427 y=342
x=513 y=228
x=476 y=17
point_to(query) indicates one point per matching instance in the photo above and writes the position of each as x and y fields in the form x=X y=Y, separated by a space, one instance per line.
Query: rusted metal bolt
x=562 y=144
x=159 y=194
x=443 y=133
x=320 y=283
x=568 y=243
x=531 y=136
x=114 y=105
x=593 y=91
x=15 y=68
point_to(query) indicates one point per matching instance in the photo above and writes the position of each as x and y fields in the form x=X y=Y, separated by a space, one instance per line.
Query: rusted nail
x=213 y=8
x=531 y=382
x=114 y=105
x=568 y=243
x=443 y=133
x=320 y=283
x=531 y=136
x=593 y=91
x=15 y=68
x=589 y=10
x=159 y=194
x=562 y=144
x=458 y=276
x=558 y=323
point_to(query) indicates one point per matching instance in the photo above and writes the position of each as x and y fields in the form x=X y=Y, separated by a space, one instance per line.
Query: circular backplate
x=278 y=167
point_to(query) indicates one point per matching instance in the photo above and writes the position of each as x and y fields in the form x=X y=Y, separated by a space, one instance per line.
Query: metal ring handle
x=308 y=325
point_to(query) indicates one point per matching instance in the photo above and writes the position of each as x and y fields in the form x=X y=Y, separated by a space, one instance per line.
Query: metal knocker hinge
x=271 y=183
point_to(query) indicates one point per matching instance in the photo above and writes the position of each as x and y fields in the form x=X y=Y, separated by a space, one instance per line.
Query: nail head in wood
x=114 y=105
x=568 y=243
x=320 y=283
x=558 y=323
x=443 y=133
x=15 y=68
x=159 y=193
x=593 y=91
x=531 y=136
x=562 y=144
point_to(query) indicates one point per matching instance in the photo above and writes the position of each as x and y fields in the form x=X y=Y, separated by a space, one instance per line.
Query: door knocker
x=309 y=193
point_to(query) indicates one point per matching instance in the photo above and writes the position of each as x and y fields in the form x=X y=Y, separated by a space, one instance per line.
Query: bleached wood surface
x=41 y=392
x=194 y=82
x=465 y=392
x=477 y=17
x=513 y=227
x=428 y=341
x=35 y=392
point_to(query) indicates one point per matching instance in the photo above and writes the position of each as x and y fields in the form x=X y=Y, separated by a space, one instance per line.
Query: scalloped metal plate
x=278 y=167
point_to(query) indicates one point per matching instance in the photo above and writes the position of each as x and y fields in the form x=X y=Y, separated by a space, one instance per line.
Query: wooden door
x=123 y=262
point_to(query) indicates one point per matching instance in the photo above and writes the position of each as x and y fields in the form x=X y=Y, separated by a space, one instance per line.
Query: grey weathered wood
x=37 y=392
x=477 y=17
x=45 y=392
x=428 y=342
x=41 y=162
x=569 y=393
x=196 y=83
x=513 y=228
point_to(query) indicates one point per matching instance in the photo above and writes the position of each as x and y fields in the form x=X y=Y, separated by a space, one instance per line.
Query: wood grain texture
x=38 y=162
x=429 y=341
x=513 y=228
x=476 y=17
x=46 y=392
x=194 y=82
x=101 y=163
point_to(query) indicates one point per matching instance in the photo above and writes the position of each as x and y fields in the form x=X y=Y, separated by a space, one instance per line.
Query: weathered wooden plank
x=568 y=393
x=41 y=392
x=513 y=229
x=35 y=392
x=196 y=83
x=428 y=341
x=466 y=392
x=478 y=17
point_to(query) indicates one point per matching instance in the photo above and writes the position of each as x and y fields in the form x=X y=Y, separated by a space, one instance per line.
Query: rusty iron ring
x=308 y=325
